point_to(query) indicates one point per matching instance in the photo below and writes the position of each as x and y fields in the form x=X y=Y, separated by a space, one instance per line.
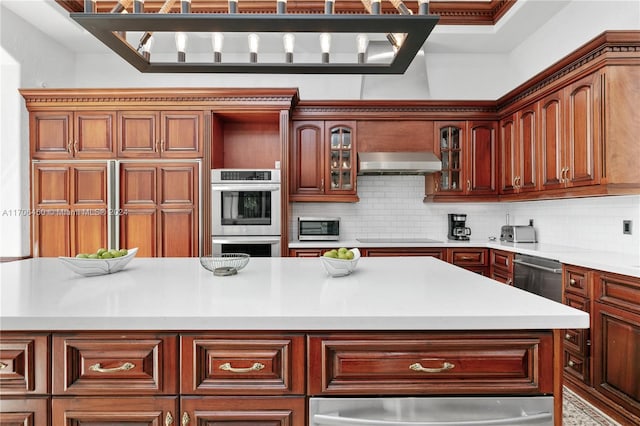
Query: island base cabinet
x=24 y=411
x=152 y=411
x=245 y=411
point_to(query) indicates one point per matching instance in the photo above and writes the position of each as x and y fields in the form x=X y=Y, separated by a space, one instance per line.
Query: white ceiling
x=525 y=17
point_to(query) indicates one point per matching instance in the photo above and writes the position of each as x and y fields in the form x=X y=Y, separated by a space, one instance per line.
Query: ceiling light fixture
x=127 y=34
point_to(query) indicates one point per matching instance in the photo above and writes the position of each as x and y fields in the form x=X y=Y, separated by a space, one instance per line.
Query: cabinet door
x=582 y=154
x=245 y=411
x=551 y=136
x=616 y=362
x=481 y=158
x=181 y=134
x=527 y=149
x=94 y=133
x=138 y=134
x=508 y=155
x=51 y=197
x=340 y=162
x=89 y=221
x=450 y=138
x=307 y=159
x=51 y=134
x=139 y=197
x=27 y=412
x=24 y=358
x=113 y=411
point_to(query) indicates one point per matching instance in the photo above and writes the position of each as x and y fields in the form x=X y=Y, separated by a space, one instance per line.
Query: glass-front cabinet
x=340 y=159
x=450 y=144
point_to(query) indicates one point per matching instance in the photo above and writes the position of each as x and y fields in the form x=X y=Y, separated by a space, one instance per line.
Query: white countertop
x=619 y=263
x=411 y=293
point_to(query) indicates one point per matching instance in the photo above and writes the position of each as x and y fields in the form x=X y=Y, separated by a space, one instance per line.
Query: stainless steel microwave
x=318 y=228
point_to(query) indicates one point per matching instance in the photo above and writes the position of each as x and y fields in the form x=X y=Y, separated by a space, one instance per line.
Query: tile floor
x=578 y=412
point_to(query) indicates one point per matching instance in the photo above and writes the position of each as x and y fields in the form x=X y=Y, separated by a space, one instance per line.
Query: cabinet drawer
x=502 y=275
x=576 y=280
x=114 y=364
x=243 y=411
x=469 y=257
x=618 y=290
x=502 y=260
x=577 y=340
x=430 y=363
x=24 y=362
x=243 y=364
x=32 y=411
x=576 y=365
x=129 y=411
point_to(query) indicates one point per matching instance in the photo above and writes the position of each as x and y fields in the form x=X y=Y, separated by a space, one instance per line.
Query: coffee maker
x=457 y=229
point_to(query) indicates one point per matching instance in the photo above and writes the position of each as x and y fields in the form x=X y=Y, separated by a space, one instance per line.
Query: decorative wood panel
x=25 y=363
x=177 y=184
x=94 y=134
x=24 y=412
x=138 y=185
x=89 y=185
x=51 y=185
x=51 y=133
x=552 y=133
x=260 y=138
x=482 y=157
x=138 y=134
x=307 y=159
x=52 y=236
x=528 y=149
x=178 y=233
x=138 y=228
x=181 y=134
x=508 y=155
x=395 y=135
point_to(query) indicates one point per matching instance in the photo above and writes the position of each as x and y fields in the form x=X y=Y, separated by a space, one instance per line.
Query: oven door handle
x=326 y=419
x=246 y=240
x=245 y=187
x=534 y=266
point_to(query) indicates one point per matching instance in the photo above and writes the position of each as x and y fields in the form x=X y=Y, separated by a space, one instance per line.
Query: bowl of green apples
x=100 y=262
x=340 y=262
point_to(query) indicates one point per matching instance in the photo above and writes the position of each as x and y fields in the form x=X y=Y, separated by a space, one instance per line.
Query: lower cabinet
x=104 y=411
x=33 y=411
x=404 y=251
x=501 y=266
x=472 y=259
x=246 y=411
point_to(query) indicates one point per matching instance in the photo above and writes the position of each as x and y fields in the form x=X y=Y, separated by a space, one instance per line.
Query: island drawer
x=115 y=364
x=24 y=363
x=576 y=280
x=243 y=364
x=430 y=363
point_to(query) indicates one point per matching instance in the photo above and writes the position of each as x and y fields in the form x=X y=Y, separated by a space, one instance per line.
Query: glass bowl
x=226 y=261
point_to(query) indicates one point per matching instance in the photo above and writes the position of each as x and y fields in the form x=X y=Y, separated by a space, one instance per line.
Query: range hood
x=399 y=163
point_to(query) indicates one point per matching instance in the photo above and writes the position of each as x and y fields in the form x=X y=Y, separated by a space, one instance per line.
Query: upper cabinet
x=68 y=134
x=323 y=161
x=468 y=153
x=154 y=134
x=519 y=151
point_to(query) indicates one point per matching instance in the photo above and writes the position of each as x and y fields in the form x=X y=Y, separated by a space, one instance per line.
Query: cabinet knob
x=571 y=363
x=567 y=336
x=509 y=282
x=572 y=281
x=3 y=365
x=168 y=419
x=185 y=419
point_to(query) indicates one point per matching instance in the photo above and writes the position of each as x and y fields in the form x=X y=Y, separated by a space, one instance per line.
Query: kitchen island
x=166 y=336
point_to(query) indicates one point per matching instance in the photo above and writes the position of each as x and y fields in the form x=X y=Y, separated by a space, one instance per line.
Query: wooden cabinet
x=473 y=259
x=616 y=364
x=576 y=292
x=571 y=135
x=310 y=252
x=501 y=266
x=430 y=363
x=403 y=251
x=24 y=411
x=469 y=159
x=70 y=208
x=323 y=161
x=72 y=134
x=133 y=411
x=519 y=151
x=161 y=202
x=155 y=134
x=246 y=411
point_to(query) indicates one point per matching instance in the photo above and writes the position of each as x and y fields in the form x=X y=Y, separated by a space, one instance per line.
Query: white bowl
x=341 y=267
x=93 y=267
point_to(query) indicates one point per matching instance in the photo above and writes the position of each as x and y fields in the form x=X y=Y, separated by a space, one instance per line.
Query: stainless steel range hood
x=399 y=163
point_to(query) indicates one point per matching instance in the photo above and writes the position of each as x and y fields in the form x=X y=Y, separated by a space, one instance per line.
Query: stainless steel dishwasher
x=538 y=275
x=432 y=411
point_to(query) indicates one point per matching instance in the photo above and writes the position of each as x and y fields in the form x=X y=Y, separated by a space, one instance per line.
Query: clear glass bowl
x=225 y=260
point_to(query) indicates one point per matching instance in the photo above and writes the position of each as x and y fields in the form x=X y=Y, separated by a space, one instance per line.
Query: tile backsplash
x=392 y=206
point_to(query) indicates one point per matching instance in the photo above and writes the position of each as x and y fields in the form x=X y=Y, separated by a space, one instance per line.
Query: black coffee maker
x=457 y=228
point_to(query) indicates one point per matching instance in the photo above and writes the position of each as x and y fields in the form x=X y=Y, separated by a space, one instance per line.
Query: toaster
x=518 y=234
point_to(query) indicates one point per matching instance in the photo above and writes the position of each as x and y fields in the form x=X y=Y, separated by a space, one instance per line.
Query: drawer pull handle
x=3 y=365
x=255 y=367
x=185 y=419
x=418 y=367
x=124 y=367
x=168 y=419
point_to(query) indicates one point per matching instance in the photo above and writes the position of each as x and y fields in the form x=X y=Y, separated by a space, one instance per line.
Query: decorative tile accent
x=578 y=412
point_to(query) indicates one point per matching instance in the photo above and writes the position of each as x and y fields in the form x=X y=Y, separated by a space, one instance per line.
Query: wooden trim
x=450 y=12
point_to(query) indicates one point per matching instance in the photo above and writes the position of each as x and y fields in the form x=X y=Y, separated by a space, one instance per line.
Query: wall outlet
x=626 y=227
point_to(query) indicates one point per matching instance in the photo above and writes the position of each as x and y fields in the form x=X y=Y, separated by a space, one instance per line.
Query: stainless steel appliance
x=538 y=275
x=436 y=411
x=246 y=211
x=318 y=228
x=518 y=233
x=245 y=202
x=457 y=227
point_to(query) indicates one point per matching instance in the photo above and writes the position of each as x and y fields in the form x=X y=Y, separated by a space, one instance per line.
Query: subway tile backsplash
x=392 y=206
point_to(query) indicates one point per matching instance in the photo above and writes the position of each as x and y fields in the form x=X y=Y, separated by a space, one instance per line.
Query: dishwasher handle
x=534 y=266
x=331 y=420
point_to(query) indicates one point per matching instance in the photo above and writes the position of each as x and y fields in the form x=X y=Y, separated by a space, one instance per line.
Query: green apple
x=123 y=252
x=93 y=256
x=82 y=256
x=343 y=250
x=101 y=251
x=331 y=253
x=106 y=255
x=349 y=255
